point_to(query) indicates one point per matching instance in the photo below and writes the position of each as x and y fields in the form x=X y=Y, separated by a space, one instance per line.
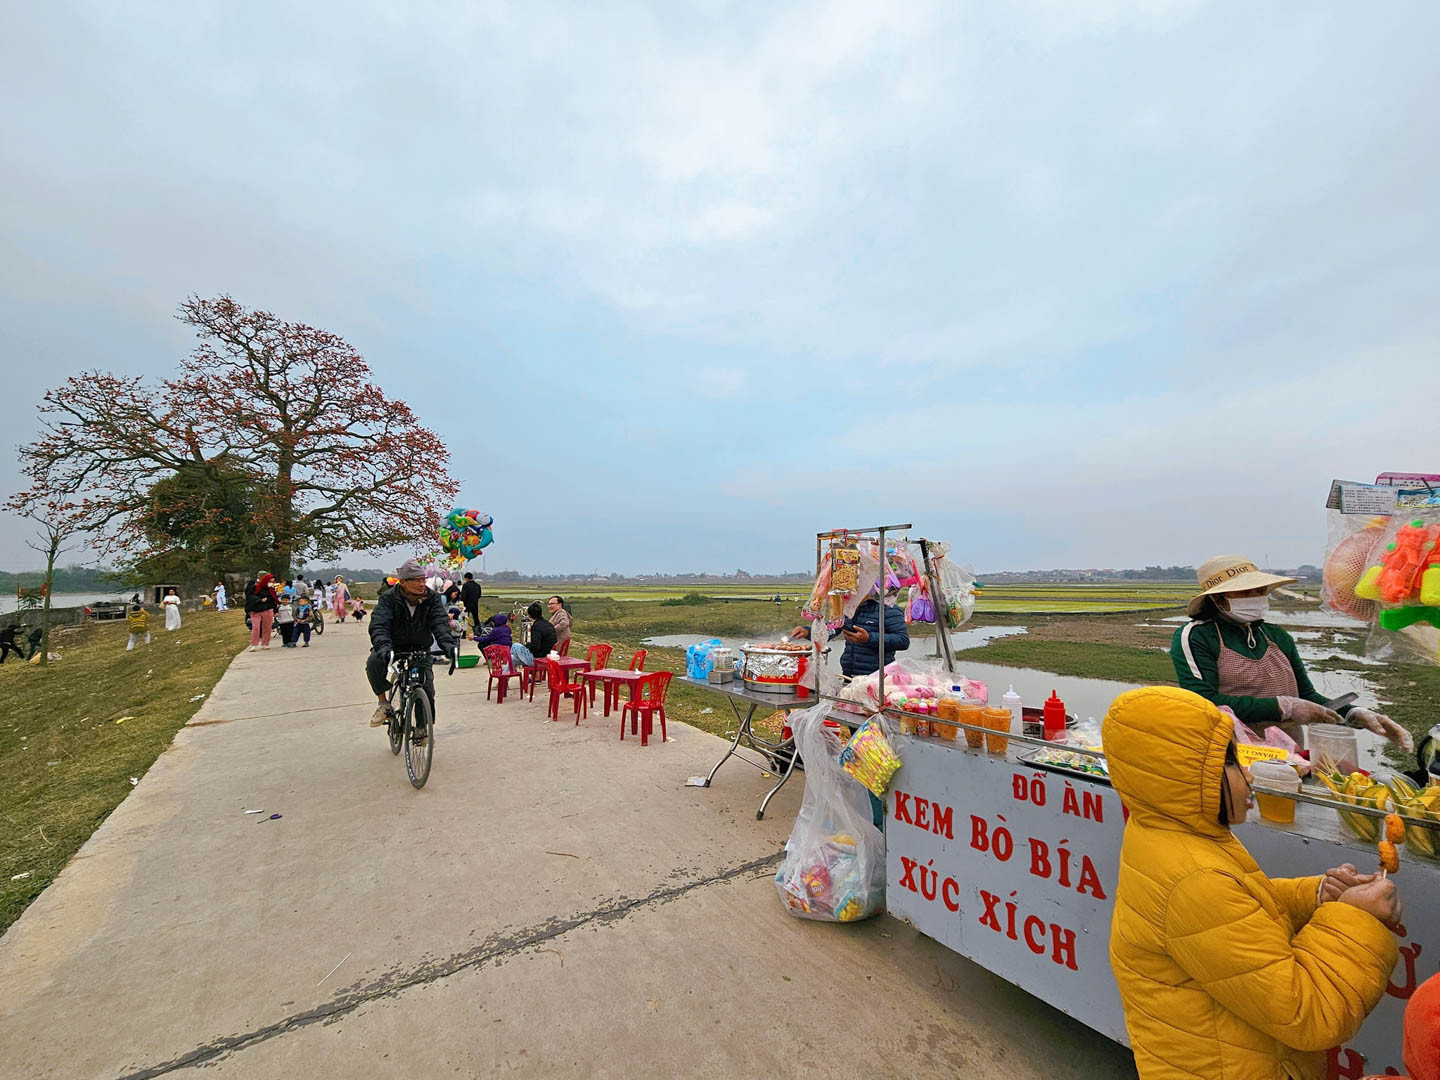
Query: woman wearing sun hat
x=1230 y=655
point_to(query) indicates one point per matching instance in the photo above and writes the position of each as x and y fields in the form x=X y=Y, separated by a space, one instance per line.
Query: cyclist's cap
x=410 y=568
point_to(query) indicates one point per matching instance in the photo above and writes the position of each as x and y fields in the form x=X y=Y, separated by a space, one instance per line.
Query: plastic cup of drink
x=997 y=720
x=1278 y=775
x=972 y=714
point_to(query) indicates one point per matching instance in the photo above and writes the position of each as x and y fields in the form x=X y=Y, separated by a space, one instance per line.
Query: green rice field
x=995 y=599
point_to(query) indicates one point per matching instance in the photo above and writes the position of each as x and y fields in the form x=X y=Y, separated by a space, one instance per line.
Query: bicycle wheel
x=396 y=724
x=319 y=622
x=417 y=758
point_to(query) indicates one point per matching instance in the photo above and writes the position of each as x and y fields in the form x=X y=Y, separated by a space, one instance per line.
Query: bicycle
x=317 y=620
x=410 y=711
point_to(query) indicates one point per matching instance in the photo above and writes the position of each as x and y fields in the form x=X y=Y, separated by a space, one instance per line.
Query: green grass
x=66 y=761
x=643 y=593
x=1082 y=599
x=996 y=599
x=1091 y=660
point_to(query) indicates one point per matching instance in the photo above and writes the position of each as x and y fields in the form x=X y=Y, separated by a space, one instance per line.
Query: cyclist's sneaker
x=419 y=735
x=381 y=716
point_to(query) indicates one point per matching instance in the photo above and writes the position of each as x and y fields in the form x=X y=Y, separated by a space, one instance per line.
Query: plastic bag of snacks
x=956 y=602
x=834 y=867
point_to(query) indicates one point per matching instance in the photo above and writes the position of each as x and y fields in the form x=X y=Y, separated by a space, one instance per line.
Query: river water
x=1084 y=698
x=69 y=600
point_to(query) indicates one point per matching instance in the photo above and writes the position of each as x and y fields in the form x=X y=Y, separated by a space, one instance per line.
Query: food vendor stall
x=1011 y=858
x=1005 y=847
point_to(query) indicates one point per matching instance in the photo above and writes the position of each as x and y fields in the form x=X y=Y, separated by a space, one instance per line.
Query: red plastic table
x=612 y=679
x=570 y=665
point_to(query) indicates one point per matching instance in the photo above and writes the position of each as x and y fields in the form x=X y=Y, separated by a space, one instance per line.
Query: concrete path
x=554 y=903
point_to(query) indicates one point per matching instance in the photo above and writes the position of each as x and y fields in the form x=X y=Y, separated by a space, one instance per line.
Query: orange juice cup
x=972 y=714
x=1273 y=808
x=997 y=720
x=1278 y=775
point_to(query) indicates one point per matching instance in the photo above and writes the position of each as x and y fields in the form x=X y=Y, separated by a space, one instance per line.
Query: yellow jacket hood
x=1166 y=751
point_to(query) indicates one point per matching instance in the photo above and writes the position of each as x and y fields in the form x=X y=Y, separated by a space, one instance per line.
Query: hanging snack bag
x=870 y=758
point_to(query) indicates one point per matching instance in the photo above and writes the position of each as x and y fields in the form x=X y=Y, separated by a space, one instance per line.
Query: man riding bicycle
x=406 y=619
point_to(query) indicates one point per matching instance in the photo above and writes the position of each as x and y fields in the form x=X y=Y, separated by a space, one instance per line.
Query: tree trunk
x=285 y=523
x=50 y=554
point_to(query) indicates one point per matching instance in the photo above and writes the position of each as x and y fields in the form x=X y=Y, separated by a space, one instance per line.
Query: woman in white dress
x=171 y=604
x=220 y=604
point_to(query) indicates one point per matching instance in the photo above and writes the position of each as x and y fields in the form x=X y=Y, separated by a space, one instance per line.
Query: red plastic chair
x=597 y=656
x=646 y=699
x=637 y=662
x=502 y=670
x=563 y=649
x=560 y=688
x=535 y=675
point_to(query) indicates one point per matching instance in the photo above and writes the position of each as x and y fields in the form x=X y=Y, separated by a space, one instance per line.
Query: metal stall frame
x=943 y=647
x=880 y=531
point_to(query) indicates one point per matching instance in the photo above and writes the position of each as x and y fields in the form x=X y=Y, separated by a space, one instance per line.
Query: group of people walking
x=137 y=619
x=293 y=608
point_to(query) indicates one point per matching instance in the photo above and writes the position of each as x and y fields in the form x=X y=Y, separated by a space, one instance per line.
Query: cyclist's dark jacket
x=393 y=627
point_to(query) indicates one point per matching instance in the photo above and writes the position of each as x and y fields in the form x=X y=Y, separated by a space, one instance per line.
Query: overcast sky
x=1065 y=282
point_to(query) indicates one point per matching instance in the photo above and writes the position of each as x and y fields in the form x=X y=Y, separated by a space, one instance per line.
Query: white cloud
x=1046 y=236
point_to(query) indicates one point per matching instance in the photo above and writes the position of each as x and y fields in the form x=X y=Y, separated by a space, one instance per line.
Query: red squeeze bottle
x=1054 y=717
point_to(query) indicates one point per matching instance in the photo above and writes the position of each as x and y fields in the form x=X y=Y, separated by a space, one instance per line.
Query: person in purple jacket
x=499 y=634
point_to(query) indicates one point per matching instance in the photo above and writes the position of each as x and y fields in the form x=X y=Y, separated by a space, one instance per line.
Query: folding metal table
x=779 y=755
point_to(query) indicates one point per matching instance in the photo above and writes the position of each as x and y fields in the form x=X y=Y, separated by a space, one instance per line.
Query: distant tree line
x=69 y=579
x=1160 y=573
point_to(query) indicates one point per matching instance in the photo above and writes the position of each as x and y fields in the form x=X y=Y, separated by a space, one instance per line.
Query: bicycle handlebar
x=427 y=657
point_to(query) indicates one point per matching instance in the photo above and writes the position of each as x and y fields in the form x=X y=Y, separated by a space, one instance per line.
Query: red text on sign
x=923 y=814
x=1001 y=916
x=1059 y=864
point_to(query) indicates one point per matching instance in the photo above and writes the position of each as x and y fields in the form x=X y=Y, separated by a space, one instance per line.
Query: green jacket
x=1204 y=641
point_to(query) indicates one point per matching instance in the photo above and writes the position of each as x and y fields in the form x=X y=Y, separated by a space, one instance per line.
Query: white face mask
x=1248 y=609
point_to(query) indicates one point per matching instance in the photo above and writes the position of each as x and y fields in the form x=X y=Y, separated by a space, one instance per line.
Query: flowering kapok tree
x=332 y=463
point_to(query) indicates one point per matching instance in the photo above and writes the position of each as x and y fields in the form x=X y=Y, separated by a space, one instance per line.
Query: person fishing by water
x=1228 y=654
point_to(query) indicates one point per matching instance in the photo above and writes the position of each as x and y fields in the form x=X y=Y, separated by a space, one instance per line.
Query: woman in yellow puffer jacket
x=1222 y=971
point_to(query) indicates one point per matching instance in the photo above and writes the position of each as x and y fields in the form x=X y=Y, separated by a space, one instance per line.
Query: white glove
x=1306 y=712
x=1381 y=724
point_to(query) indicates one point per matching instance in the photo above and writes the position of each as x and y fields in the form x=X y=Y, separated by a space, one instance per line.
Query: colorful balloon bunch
x=464 y=534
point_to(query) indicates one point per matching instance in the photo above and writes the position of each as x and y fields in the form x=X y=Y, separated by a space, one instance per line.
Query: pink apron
x=1272 y=675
